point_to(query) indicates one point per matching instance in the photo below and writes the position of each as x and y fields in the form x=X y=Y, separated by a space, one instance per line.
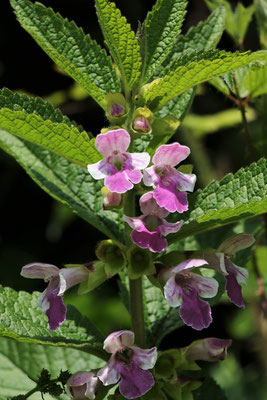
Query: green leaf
x=57 y=137
x=68 y=46
x=22 y=319
x=187 y=76
x=67 y=182
x=235 y=197
x=261 y=15
x=161 y=28
x=209 y=390
x=14 y=382
x=121 y=41
x=160 y=318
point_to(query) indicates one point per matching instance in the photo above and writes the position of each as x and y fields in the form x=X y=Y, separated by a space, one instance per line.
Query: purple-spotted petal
x=101 y=169
x=210 y=349
x=145 y=358
x=119 y=340
x=235 y=276
x=189 y=264
x=149 y=206
x=173 y=292
x=206 y=287
x=151 y=240
x=235 y=243
x=139 y=160
x=134 y=381
x=70 y=277
x=170 y=198
x=170 y=154
x=194 y=311
x=117 y=140
x=39 y=271
x=110 y=373
x=166 y=227
x=118 y=182
x=52 y=304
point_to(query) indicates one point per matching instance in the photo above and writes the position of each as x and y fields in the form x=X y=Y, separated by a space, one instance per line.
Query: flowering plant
x=145 y=86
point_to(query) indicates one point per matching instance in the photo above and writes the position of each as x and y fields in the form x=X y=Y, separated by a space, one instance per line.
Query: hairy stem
x=136 y=287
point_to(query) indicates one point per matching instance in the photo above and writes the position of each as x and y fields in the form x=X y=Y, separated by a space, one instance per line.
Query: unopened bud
x=142 y=120
x=82 y=385
x=111 y=199
x=116 y=110
x=140 y=262
x=111 y=253
x=115 y=106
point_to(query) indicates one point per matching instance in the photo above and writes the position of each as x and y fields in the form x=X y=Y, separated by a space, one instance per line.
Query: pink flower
x=234 y=275
x=209 y=349
x=119 y=169
x=148 y=228
x=183 y=289
x=59 y=281
x=170 y=184
x=82 y=385
x=128 y=365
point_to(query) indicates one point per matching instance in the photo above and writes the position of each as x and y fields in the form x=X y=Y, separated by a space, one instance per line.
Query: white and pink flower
x=59 y=280
x=183 y=289
x=119 y=169
x=170 y=185
x=209 y=349
x=128 y=365
x=149 y=228
x=234 y=275
x=82 y=385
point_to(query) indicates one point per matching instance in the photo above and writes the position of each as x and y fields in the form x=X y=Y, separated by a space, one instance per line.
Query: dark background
x=33 y=227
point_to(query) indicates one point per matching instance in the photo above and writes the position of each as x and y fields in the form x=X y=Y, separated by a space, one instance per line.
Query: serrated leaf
x=68 y=46
x=121 y=41
x=161 y=28
x=65 y=181
x=185 y=77
x=59 y=138
x=14 y=382
x=261 y=15
x=235 y=197
x=22 y=319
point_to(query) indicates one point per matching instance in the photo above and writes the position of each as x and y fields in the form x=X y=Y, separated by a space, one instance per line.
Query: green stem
x=136 y=288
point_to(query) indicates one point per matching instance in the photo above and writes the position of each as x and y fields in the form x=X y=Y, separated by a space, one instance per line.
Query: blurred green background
x=33 y=227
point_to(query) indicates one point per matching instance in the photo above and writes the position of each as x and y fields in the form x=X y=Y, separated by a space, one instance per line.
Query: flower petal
x=173 y=292
x=168 y=227
x=194 y=311
x=235 y=243
x=151 y=240
x=134 y=381
x=189 y=264
x=110 y=373
x=170 y=154
x=206 y=287
x=136 y=223
x=210 y=349
x=150 y=177
x=52 y=304
x=170 y=198
x=101 y=169
x=119 y=340
x=134 y=175
x=139 y=160
x=39 y=271
x=82 y=385
x=235 y=275
x=215 y=261
x=145 y=358
x=117 y=140
x=118 y=182
x=69 y=277
x=185 y=182
x=149 y=206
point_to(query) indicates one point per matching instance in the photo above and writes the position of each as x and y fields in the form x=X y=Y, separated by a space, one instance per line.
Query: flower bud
x=142 y=120
x=96 y=277
x=115 y=107
x=111 y=199
x=167 y=363
x=82 y=385
x=111 y=253
x=140 y=262
x=210 y=349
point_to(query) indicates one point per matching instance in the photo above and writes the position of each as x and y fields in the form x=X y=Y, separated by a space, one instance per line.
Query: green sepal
x=167 y=363
x=112 y=100
x=111 y=253
x=174 y=391
x=148 y=117
x=165 y=126
x=140 y=262
x=96 y=277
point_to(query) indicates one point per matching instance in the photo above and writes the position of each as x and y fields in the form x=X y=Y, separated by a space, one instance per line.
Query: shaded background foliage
x=34 y=227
